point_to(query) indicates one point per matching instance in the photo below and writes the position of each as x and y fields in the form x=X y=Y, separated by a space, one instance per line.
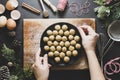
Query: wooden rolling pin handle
x=54 y=9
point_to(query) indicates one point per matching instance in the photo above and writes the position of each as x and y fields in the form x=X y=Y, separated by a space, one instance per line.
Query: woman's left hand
x=41 y=66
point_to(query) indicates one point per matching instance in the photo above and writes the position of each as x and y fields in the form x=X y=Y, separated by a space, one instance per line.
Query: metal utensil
x=114 y=34
x=45 y=12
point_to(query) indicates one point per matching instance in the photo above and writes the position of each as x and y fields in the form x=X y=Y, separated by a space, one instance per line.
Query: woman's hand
x=41 y=66
x=89 y=37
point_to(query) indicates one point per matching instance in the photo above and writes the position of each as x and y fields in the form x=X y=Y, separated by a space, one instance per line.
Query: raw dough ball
x=64 y=49
x=70 y=37
x=57 y=27
x=66 y=33
x=72 y=31
x=64 y=38
x=55 y=32
x=67 y=43
x=57 y=59
x=68 y=53
x=66 y=59
x=46 y=48
x=49 y=43
x=64 y=27
x=58 y=38
x=61 y=32
x=77 y=38
x=56 y=53
x=49 y=32
x=50 y=54
x=55 y=43
x=75 y=53
x=45 y=39
x=51 y=37
x=62 y=43
x=3 y=21
x=59 y=48
x=62 y=55
x=78 y=46
x=71 y=48
x=73 y=42
x=52 y=48
x=11 y=24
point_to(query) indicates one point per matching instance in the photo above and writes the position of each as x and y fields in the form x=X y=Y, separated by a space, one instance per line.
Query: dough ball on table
x=57 y=27
x=55 y=32
x=66 y=33
x=73 y=42
x=62 y=43
x=58 y=38
x=64 y=49
x=71 y=48
x=55 y=43
x=66 y=59
x=72 y=31
x=45 y=39
x=49 y=43
x=74 y=52
x=64 y=27
x=47 y=48
x=50 y=54
x=76 y=38
x=67 y=43
x=64 y=38
x=51 y=37
x=70 y=37
x=49 y=32
x=56 y=53
x=61 y=32
x=52 y=48
x=58 y=48
x=62 y=55
x=57 y=59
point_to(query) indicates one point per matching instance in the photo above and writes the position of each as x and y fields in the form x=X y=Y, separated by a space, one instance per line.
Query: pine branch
x=8 y=53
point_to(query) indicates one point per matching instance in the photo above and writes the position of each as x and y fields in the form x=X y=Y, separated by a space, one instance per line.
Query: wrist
x=90 y=51
x=42 y=78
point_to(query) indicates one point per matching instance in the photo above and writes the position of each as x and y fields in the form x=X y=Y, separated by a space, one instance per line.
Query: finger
x=82 y=33
x=89 y=29
x=49 y=65
x=32 y=66
x=37 y=56
x=45 y=60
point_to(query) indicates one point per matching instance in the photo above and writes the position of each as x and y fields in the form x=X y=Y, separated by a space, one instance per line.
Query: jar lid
x=15 y=14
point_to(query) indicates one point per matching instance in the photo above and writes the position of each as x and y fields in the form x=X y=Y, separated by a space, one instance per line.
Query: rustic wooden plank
x=33 y=29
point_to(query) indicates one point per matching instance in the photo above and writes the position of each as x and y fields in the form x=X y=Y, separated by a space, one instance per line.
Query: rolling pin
x=54 y=9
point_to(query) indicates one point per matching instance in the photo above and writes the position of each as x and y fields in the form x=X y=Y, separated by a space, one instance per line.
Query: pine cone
x=12 y=34
x=16 y=43
x=4 y=73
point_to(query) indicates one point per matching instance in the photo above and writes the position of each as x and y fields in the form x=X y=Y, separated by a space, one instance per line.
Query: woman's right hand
x=89 y=37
